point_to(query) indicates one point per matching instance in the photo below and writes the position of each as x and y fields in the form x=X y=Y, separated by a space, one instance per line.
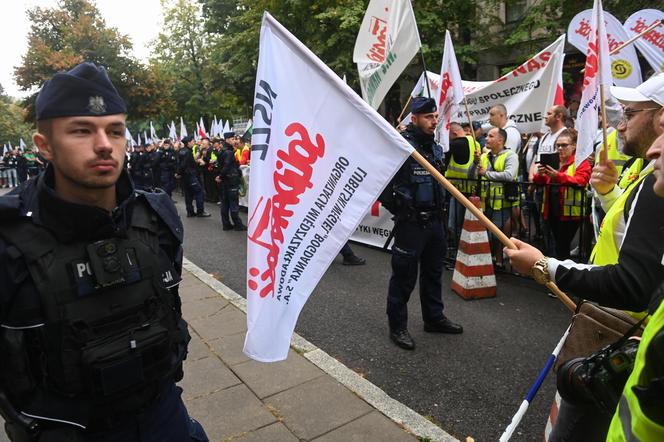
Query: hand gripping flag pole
x=485 y=221
x=533 y=390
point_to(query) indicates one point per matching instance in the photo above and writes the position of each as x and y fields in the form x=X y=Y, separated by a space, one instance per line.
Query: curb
x=402 y=415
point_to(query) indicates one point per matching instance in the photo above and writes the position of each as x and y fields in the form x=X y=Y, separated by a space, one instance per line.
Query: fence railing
x=522 y=214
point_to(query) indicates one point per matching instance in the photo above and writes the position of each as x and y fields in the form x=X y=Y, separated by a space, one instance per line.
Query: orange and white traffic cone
x=474 y=276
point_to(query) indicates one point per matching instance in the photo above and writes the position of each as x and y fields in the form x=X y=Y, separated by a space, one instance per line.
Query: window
x=515 y=10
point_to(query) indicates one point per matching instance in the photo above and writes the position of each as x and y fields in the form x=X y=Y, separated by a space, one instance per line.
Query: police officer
x=167 y=163
x=151 y=167
x=228 y=175
x=92 y=338
x=186 y=169
x=136 y=166
x=419 y=236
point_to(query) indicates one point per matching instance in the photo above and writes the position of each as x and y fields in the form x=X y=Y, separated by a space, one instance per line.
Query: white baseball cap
x=650 y=90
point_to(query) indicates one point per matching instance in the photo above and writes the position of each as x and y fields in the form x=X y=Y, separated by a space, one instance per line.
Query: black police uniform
x=228 y=169
x=419 y=236
x=167 y=163
x=91 y=331
x=137 y=167
x=190 y=184
x=151 y=170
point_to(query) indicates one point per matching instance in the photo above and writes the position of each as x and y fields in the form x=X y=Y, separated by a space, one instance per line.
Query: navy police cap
x=85 y=90
x=422 y=105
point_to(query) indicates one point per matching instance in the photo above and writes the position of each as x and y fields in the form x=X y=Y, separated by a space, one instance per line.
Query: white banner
x=597 y=73
x=527 y=91
x=625 y=67
x=451 y=92
x=311 y=183
x=387 y=42
x=651 y=44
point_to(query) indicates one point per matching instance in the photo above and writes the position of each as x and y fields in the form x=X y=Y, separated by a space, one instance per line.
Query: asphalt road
x=469 y=384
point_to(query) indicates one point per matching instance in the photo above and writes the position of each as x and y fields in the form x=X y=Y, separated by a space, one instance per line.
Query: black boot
x=402 y=339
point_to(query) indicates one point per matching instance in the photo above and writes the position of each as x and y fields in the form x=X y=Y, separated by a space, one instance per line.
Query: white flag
x=21 y=144
x=625 y=67
x=128 y=137
x=138 y=139
x=145 y=137
x=651 y=45
x=172 y=133
x=311 y=183
x=451 y=92
x=197 y=134
x=183 y=129
x=387 y=42
x=597 y=73
x=227 y=126
x=153 y=134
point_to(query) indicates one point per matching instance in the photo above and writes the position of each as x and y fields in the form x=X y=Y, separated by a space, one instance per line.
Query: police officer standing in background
x=186 y=170
x=228 y=175
x=92 y=338
x=136 y=166
x=167 y=162
x=419 y=236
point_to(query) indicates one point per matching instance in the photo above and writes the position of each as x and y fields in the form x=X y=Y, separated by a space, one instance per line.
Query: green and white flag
x=387 y=42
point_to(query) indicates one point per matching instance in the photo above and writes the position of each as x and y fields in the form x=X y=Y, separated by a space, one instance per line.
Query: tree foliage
x=74 y=31
x=12 y=126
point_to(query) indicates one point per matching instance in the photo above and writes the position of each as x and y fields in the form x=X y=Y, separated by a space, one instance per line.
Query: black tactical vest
x=108 y=336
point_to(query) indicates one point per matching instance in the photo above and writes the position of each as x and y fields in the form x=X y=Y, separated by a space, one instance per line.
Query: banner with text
x=527 y=91
x=311 y=183
x=651 y=45
x=387 y=42
x=625 y=68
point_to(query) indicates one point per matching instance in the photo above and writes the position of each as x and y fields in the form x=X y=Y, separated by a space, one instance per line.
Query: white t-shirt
x=513 y=141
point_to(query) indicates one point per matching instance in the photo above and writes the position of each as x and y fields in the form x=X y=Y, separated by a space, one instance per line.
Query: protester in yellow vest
x=458 y=160
x=626 y=266
x=498 y=169
x=564 y=206
x=640 y=413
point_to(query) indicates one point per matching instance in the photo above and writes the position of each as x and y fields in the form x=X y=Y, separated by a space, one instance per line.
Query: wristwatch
x=540 y=271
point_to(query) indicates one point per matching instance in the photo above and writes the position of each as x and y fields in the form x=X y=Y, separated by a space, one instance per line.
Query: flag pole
x=636 y=37
x=603 y=154
x=484 y=220
x=403 y=111
x=426 y=75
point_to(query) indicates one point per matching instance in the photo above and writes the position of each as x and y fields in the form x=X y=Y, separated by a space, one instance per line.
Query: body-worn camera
x=600 y=378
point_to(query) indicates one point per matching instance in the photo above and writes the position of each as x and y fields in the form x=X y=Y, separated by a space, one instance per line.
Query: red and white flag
x=451 y=92
x=597 y=74
x=201 y=129
x=320 y=157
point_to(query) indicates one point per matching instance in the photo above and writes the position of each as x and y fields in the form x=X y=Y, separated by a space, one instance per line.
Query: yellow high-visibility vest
x=629 y=422
x=460 y=171
x=495 y=190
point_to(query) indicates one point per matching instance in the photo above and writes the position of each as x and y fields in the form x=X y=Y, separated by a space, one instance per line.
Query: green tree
x=182 y=54
x=73 y=32
x=12 y=126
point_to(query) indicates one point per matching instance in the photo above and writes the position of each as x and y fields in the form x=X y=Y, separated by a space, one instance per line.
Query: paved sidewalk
x=236 y=398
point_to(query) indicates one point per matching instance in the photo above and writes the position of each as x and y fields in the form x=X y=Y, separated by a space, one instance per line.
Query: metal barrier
x=522 y=216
